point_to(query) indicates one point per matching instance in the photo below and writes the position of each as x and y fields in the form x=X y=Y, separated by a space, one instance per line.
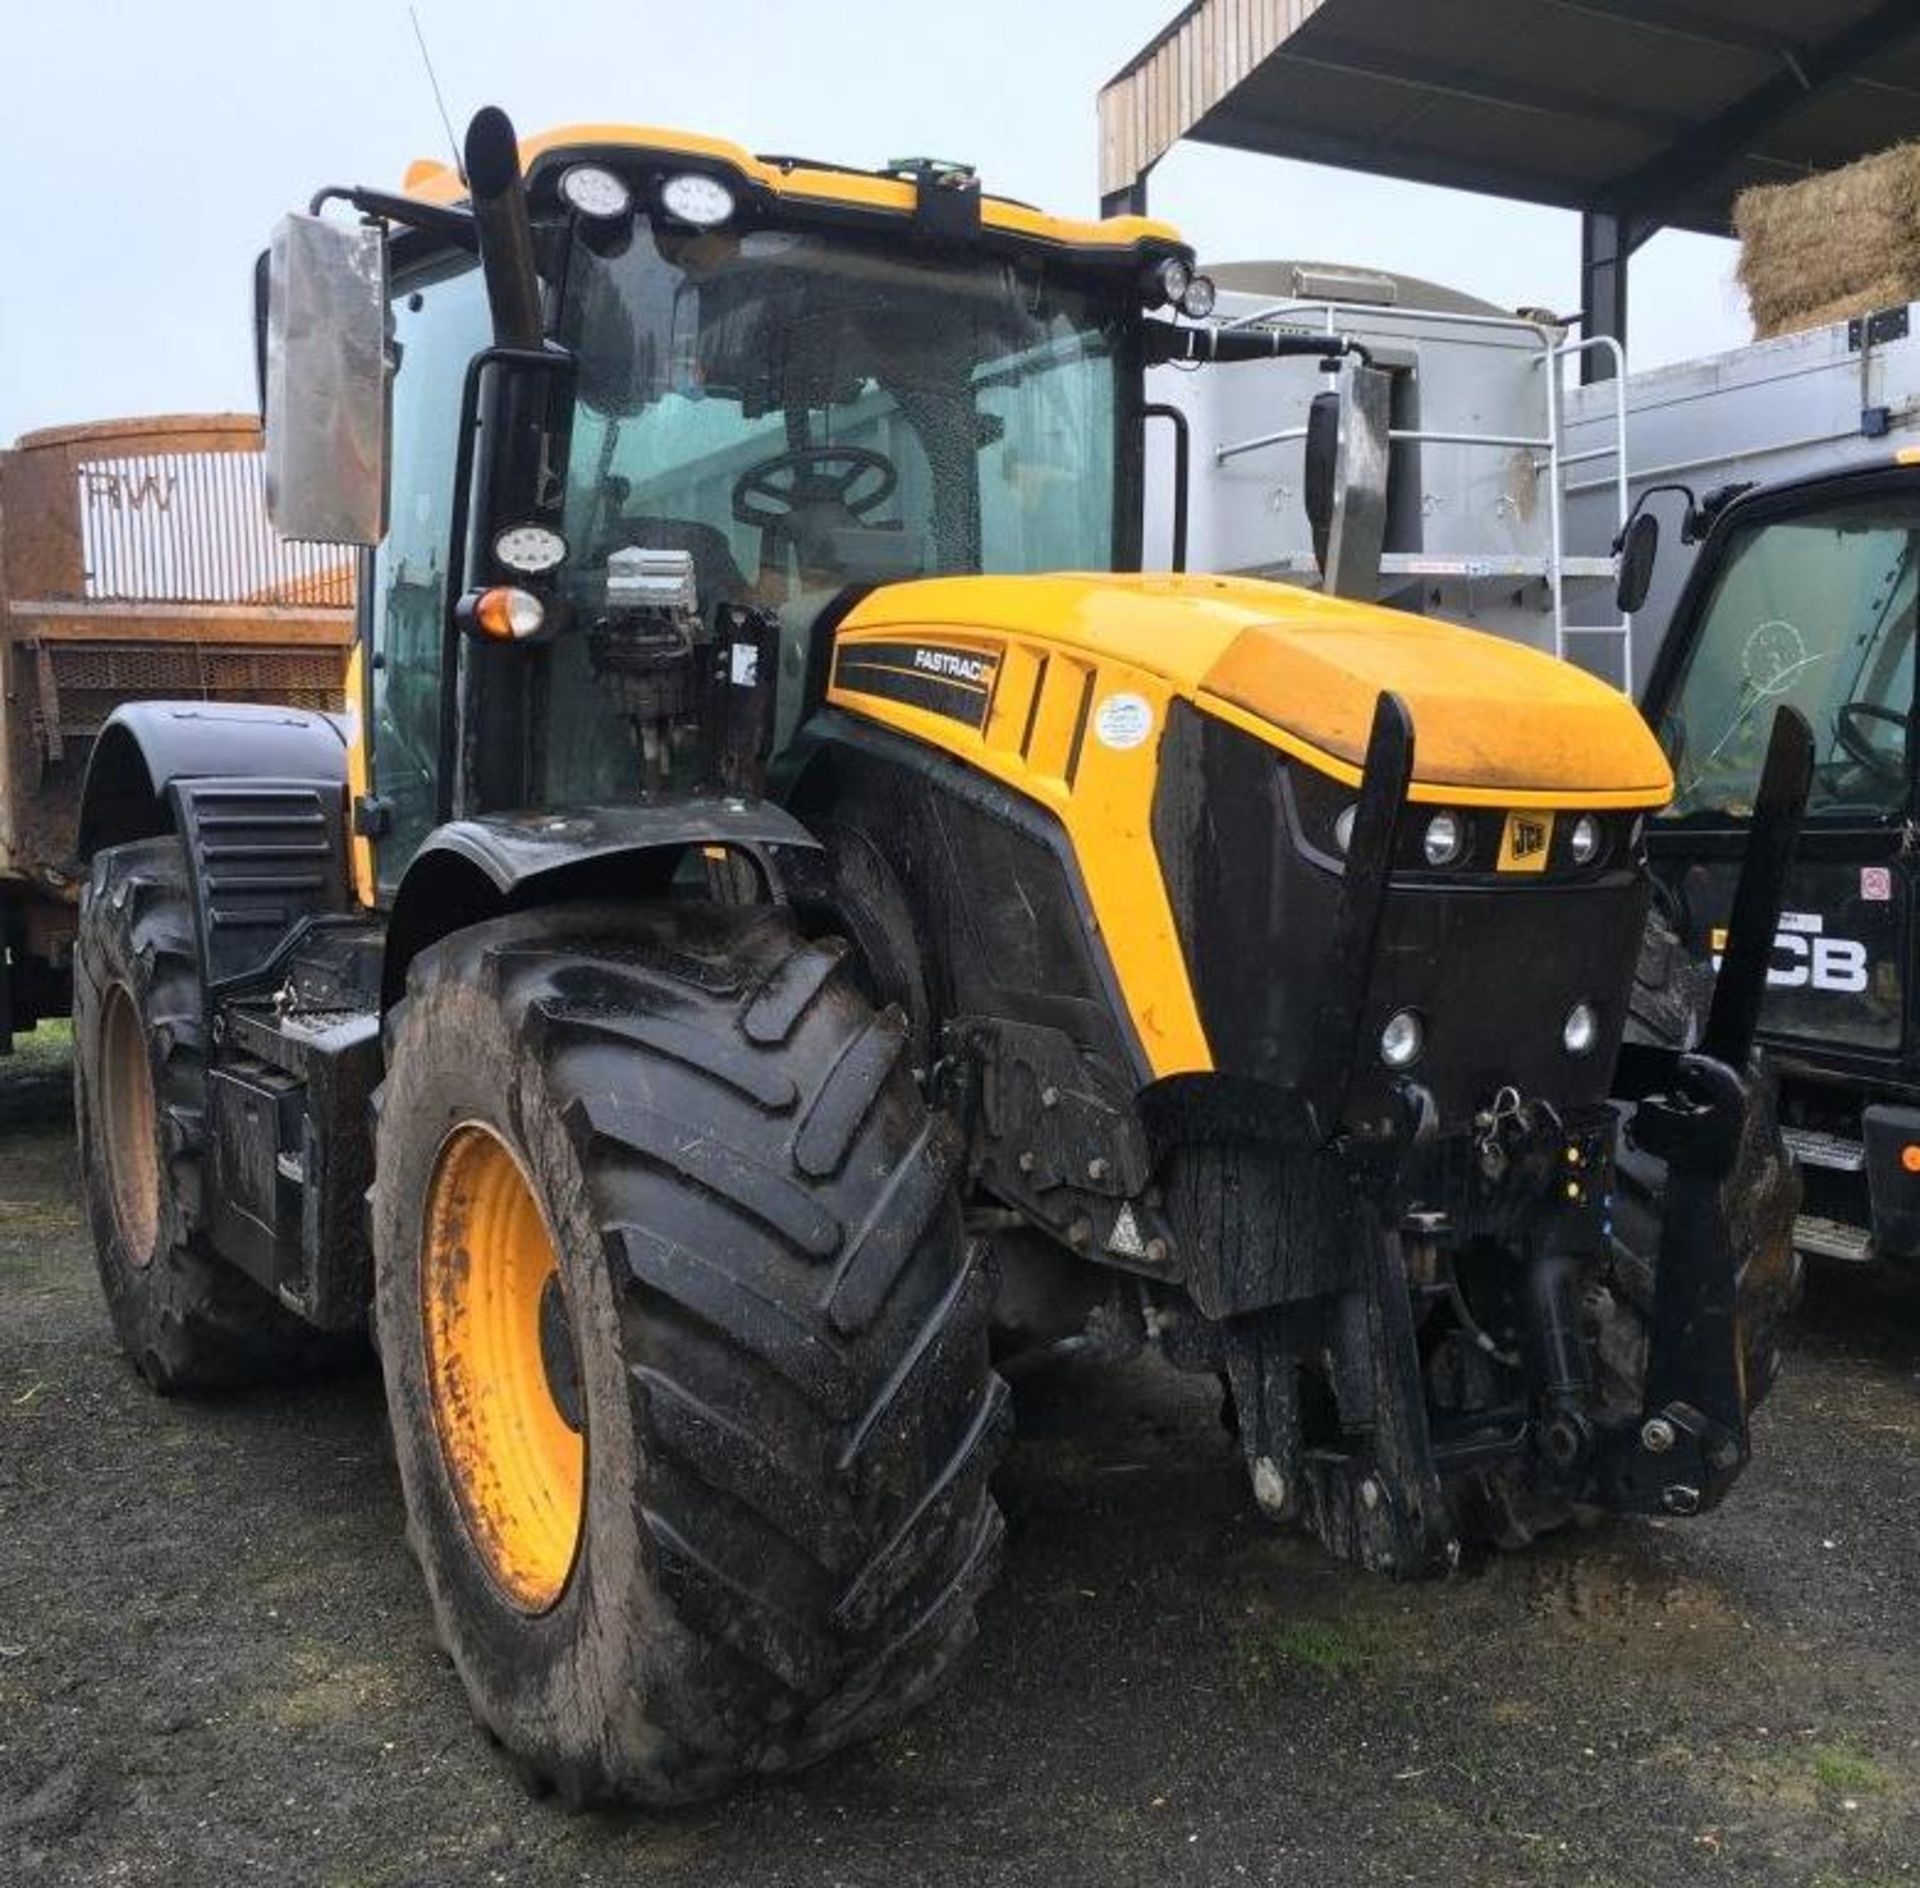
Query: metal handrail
x=1676 y=467
x=1624 y=628
x=1608 y=344
x=1553 y=351
x=1398 y=436
x=1386 y=310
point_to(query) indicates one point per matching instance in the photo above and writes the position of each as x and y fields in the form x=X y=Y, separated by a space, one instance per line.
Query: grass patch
x=46 y=1047
x=1841 y=1771
x=1326 y=1648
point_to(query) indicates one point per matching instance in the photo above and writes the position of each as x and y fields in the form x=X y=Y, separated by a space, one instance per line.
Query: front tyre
x=685 y=1351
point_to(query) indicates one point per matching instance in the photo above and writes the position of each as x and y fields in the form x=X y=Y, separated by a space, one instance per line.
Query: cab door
x=1806 y=597
x=440 y=322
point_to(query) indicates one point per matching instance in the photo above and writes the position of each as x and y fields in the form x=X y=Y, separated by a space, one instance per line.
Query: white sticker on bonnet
x=1123 y=721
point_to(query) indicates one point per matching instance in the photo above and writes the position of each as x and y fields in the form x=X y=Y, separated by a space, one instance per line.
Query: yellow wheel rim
x=501 y=1367
x=128 y=1115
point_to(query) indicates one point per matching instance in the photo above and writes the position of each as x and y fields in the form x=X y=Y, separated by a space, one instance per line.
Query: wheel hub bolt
x=1657 y=1435
x=1269 y=1486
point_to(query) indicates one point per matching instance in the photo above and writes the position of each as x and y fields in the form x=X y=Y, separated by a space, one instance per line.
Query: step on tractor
x=794 y=919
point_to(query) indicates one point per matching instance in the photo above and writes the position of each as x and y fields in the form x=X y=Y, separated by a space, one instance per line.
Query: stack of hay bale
x=1841 y=244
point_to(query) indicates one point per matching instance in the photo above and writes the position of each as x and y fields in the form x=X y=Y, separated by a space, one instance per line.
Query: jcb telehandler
x=766 y=931
x=1806 y=592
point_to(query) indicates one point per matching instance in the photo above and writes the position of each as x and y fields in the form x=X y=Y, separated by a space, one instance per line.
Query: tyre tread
x=803 y=1322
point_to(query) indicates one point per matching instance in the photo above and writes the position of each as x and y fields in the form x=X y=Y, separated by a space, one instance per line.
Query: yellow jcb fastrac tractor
x=793 y=916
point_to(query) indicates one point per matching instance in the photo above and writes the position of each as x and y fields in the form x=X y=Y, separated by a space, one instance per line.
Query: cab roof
x=800 y=182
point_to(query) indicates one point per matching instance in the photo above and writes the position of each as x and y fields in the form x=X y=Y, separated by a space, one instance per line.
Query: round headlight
x=1443 y=840
x=1581 y=1030
x=1199 y=299
x=694 y=198
x=1176 y=277
x=595 y=192
x=1584 y=844
x=1343 y=826
x=1402 y=1040
x=531 y=549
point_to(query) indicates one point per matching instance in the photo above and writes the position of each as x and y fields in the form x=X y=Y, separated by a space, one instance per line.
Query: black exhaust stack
x=505 y=229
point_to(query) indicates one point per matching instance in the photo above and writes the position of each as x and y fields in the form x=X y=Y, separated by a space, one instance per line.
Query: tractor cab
x=757 y=386
x=791 y=412
x=653 y=377
x=1804 y=595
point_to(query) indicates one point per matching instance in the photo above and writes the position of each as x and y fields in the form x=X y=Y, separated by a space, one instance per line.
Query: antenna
x=426 y=59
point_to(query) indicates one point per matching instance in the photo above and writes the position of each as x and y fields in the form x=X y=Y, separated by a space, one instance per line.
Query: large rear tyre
x=685 y=1350
x=188 y=1321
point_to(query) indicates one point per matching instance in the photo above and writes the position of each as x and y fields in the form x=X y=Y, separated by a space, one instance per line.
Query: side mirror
x=325 y=380
x=1639 y=551
x=1346 y=479
x=1323 y=452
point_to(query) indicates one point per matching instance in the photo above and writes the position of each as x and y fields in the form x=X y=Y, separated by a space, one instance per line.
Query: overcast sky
x=146 y=147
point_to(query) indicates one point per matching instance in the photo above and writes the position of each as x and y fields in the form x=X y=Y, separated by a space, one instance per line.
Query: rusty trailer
x=136 y=562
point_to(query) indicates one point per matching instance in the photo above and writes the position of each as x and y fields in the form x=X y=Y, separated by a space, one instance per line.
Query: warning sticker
x=1125 y=1238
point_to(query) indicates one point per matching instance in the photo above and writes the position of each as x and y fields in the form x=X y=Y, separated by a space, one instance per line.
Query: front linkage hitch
x=1380 y=1498
x=1691 y=1443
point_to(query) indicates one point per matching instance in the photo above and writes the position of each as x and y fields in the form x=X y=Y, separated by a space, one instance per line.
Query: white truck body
x=1475 y=530
x=1805 y=403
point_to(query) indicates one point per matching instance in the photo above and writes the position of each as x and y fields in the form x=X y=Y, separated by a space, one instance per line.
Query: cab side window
x=439 y=323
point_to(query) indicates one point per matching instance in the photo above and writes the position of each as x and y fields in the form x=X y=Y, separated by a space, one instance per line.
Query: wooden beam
x=1726 y=138
x=1185 y=71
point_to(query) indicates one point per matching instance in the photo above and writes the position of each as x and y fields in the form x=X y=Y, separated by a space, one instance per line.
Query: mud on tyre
x=662 y=1181
x=188 y=1321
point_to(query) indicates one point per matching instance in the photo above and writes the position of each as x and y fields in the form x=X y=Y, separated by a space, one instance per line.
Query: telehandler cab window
x=1816 y=611
x=801 y=412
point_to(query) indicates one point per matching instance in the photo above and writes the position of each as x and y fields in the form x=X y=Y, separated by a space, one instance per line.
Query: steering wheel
x=810 y=478
x=1860 y=746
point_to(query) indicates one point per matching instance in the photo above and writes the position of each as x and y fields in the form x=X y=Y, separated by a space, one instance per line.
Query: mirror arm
x=1167 y=341
x=1687 y=534
x=436 y=219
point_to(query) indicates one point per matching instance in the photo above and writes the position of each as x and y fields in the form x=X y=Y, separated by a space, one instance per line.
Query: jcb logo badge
x=1525 y=842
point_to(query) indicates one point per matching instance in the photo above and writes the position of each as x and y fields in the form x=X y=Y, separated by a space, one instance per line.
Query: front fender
x=474 y=869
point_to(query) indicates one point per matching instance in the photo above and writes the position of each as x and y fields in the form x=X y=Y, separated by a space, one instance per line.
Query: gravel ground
x=215 y=1663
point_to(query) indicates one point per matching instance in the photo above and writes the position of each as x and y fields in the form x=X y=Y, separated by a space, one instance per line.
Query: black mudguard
x=147 y=746
x=473 y=869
